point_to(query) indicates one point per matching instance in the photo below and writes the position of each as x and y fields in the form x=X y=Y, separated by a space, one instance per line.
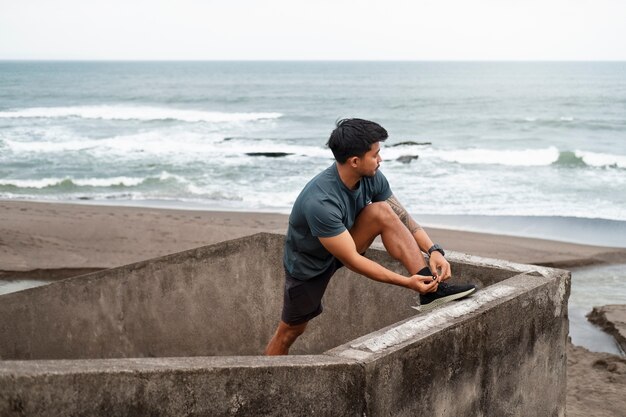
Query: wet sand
x=55 y=236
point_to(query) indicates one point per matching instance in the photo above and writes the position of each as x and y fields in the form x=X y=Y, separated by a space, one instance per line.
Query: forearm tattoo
x=403 y=215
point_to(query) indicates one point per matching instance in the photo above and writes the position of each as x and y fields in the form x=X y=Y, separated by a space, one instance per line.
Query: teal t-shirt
x=325 y=208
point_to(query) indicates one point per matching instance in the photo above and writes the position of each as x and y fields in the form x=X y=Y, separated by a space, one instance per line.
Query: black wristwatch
x=436 y=247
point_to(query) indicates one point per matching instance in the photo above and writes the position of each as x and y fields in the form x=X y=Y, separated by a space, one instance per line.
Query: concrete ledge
x=489 y=363
x=297 y=385
x=220 y=299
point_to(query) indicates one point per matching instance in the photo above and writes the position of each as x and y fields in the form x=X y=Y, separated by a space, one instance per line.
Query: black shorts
x=302 y=300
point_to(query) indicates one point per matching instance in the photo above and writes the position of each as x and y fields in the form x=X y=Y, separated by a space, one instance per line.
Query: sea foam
x=103 y=182
x=523 y=157
x=145 y=113
x=597 y=159
x=86 y=182
x=181 y=145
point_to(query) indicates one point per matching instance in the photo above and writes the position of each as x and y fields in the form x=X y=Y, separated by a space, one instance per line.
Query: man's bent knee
x=380 y=210
x=370 y=223
x=374 y=215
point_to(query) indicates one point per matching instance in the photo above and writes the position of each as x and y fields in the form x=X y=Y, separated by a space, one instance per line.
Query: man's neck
x=348 y=176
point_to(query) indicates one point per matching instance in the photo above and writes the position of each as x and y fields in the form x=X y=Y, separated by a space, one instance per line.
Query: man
x=336 y=218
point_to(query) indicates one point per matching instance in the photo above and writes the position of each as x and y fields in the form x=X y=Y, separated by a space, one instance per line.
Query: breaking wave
x=142 y=113
x=597 y=159
x=524 y=157
x=186 y=145
x=528 y=157
x=68 y=184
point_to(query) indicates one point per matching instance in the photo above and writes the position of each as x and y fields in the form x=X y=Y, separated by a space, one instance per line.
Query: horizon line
x=305 y=60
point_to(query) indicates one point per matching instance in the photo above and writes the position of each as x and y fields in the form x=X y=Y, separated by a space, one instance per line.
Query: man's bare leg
x=374 y=220
x=380 y=219
x=284 y=337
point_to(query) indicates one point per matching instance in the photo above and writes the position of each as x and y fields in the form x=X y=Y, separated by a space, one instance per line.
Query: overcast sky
x=314 y=29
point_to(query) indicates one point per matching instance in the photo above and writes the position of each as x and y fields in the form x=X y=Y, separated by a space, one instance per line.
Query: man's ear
x=353 y=161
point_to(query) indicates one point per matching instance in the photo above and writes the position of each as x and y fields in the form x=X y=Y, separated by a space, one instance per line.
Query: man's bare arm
x=343 y=248
x=420 y=235
x=404 y=216
x=437 y=263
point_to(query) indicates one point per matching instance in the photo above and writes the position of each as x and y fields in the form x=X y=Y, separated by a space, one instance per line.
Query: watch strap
x=436 y=247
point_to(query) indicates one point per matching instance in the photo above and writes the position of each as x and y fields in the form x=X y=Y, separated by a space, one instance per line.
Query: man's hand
x=423 y=284
x=439 y=266
x=343 y=248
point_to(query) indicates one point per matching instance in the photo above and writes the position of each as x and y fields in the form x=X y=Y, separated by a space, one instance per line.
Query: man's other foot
x=445 y=292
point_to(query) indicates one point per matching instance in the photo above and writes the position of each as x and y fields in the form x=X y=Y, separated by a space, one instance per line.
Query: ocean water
x=595 y=286
x=492 y=139
x=532 y=149
x=9 y=286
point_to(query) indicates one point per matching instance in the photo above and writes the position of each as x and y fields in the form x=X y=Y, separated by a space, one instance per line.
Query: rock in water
x=406 y=159
x=612 y=319
x=409 y=143
x=269 y=154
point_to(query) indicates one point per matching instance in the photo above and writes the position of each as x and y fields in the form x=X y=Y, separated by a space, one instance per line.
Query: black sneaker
x=445 y=292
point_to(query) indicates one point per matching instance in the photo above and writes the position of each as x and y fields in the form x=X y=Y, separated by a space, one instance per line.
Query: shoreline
x=65 y=235
x=601 y=232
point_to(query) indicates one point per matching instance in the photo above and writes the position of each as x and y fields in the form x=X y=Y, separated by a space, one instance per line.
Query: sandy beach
x=72 y=236
x=53 y=240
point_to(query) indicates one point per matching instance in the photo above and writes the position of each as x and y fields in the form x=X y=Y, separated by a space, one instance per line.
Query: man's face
x=368 y=164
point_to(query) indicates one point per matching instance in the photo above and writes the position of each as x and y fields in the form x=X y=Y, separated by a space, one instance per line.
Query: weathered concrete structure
x=181 y=335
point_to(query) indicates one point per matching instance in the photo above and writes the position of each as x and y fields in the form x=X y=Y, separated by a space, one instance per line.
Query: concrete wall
x=222 y=299
x=228 y=386
x=500 y=352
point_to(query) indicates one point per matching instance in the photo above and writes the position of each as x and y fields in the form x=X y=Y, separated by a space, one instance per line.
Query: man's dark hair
x=354 y=137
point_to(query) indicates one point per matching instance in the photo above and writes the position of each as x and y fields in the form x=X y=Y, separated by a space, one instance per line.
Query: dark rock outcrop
x=406 y=159
x=269 y=154
x=409 y=143
x=612 y=319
